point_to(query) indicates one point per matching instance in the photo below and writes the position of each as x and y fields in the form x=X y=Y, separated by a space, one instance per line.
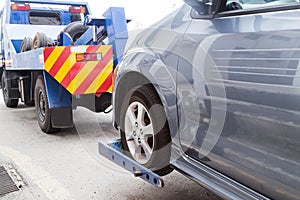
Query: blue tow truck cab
x=54 y=57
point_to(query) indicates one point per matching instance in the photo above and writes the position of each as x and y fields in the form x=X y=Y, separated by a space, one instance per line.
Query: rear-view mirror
x=201 y=6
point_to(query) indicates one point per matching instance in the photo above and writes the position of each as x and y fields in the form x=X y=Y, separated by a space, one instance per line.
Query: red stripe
x=94 y=73
x=47 y=52
x=92 y=49
x=98 y=95
x=72 y=73
x=107 y=83
x=75 y=69
x=60 y=61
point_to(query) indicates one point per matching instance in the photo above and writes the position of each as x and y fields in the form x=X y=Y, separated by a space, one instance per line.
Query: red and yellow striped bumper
x=80 y=77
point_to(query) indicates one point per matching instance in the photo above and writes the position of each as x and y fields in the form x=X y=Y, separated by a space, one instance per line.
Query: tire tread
x=148 y=93
x=46 y=126
x=10 y=103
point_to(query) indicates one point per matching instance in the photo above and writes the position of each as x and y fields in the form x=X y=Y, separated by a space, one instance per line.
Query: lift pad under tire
x=115 y=153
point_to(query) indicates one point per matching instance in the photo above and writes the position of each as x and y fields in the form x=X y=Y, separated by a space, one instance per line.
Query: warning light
x=83 y=57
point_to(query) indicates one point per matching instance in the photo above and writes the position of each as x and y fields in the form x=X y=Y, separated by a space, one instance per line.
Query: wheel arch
x=134 y=79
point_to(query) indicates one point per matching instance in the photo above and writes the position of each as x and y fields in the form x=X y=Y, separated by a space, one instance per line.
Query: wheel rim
x=5 y=91
x=41 y=105
x=36 y=44
x=22 y=49
x=139 y=132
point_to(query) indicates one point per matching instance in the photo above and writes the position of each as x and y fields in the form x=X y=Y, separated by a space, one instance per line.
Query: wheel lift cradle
x=72 y=90
x=114 y=151
x=116 y=154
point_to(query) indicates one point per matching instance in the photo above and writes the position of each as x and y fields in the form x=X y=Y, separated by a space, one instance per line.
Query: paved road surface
x=67 y=166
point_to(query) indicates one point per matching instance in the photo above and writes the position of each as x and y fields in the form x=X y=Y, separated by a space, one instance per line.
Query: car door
x=239 y=96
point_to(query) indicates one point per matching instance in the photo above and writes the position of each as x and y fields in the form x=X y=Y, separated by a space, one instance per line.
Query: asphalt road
x=67 y=166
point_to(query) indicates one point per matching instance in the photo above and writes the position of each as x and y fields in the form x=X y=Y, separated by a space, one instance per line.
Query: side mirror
x=201 y=6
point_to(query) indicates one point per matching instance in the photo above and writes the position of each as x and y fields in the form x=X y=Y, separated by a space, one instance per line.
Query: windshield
x=46 y=14
x=44 y=18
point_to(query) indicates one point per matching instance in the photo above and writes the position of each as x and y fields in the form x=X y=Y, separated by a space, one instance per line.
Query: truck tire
x=145 y=132
x=29 y=103
x=40 y=40
x=42 y=107
x=11 y=103
x=26 y=44
x=75 y=30
x=1 y=73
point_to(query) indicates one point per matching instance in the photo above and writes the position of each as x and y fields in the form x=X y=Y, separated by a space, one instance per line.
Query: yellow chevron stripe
x=110 y=89
x=100 y=78
x=85 y=71
x=53 y=57
x=104 y=49
x=66 y=67
x=81 y=76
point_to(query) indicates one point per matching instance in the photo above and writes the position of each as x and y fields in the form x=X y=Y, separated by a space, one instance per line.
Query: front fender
x=146 y=67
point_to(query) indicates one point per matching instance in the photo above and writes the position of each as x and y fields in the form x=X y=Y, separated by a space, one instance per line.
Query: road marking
x=53 y=189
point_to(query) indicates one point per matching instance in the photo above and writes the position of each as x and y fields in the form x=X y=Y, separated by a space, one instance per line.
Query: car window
x=239 y=7
x=44 y=18
x=245 y=5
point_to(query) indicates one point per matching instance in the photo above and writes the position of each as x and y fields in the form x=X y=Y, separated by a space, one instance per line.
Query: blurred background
x=143 y=13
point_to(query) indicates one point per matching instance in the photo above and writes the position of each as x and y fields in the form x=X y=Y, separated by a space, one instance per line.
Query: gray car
x=213 y=91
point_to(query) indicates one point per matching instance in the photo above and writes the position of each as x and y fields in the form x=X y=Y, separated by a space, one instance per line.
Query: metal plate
x=7 y=185
x=115 y=153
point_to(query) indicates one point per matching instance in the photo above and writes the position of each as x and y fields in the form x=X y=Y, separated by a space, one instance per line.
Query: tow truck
x=66 y=64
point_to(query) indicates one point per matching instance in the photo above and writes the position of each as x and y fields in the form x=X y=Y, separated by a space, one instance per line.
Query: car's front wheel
x=144 y=130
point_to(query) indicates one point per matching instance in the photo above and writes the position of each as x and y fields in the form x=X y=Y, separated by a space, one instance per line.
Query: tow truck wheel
x=29 y=103
x=145 y=133
x=26 y=44
x=75 y=30
x=11 y=103
x=42 y=107
x=40 y=40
